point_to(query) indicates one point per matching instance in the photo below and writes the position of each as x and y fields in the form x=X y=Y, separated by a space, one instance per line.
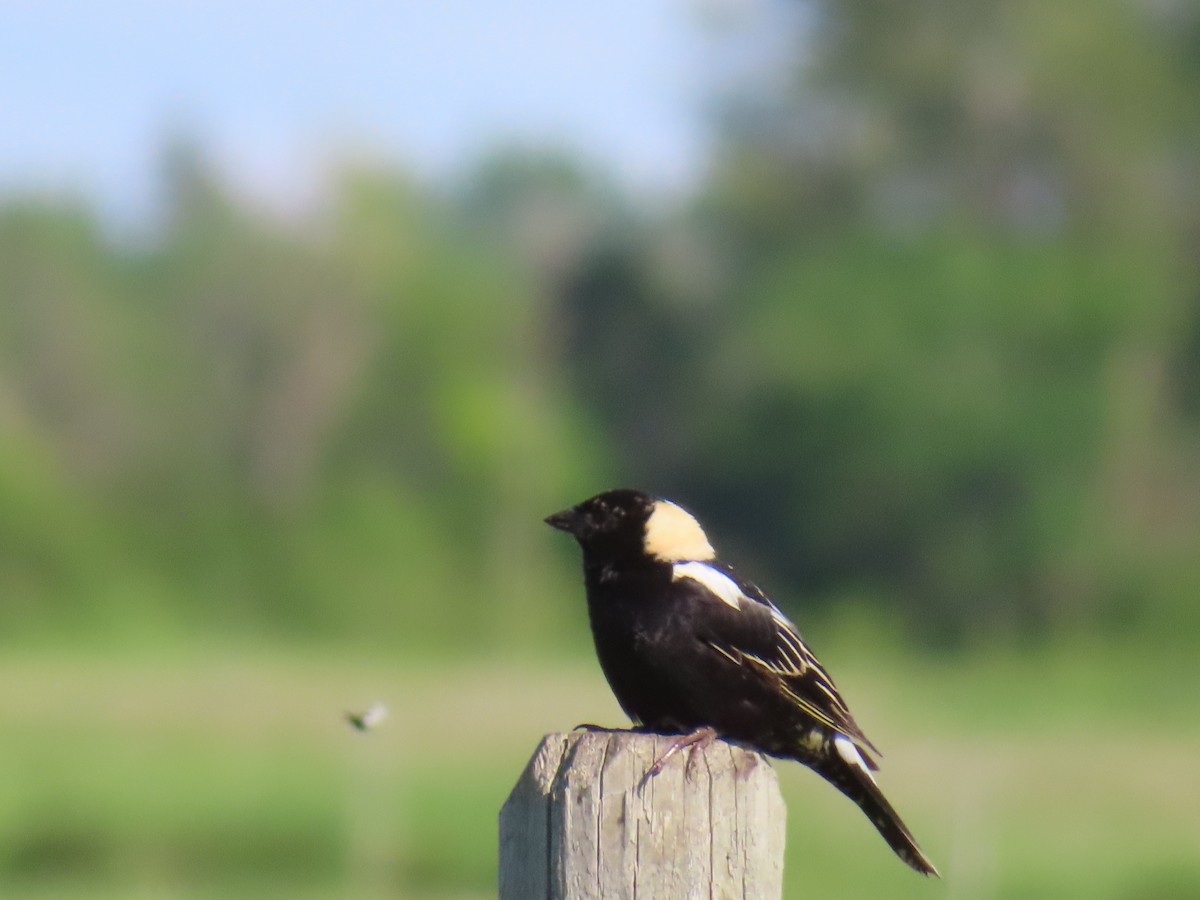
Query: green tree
x=344 y=426
x=955 y=277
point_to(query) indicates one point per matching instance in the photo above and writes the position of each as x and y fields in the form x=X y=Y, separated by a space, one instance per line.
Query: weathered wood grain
x=580 y=823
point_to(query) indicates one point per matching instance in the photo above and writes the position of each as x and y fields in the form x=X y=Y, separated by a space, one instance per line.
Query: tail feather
x=847 y=771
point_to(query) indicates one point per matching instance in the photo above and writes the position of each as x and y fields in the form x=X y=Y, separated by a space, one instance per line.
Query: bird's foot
x=696 y=740
x=588 y=726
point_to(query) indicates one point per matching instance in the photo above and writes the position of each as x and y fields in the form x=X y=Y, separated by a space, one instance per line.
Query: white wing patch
x=717 y=582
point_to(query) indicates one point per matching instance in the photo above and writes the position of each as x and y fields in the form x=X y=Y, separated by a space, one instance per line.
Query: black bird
x=690 y=648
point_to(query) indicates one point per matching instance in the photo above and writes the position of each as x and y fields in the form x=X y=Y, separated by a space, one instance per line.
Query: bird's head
x=624 y=523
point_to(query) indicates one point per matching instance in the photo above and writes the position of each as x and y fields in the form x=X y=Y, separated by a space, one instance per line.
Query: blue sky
x=275 y=89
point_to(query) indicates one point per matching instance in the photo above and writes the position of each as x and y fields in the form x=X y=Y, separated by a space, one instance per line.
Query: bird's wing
x=749 y=630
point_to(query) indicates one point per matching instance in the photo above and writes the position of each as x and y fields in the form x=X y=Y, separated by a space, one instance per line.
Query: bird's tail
x=847 y=771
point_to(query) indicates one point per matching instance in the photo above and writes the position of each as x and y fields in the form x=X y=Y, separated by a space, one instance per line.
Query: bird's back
x=652 y=639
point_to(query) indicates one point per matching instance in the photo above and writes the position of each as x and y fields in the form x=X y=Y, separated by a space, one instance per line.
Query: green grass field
x=232 y=774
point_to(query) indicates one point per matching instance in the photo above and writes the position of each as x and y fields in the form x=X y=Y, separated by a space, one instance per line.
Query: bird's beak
x=563 y=521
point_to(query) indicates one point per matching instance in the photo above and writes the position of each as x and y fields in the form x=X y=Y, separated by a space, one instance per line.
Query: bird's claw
x=692 y=742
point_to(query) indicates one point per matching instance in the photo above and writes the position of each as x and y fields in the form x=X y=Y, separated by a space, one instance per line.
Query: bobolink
x=689 y=648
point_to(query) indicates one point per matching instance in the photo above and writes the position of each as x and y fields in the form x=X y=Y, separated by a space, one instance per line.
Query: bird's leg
x=696 y=740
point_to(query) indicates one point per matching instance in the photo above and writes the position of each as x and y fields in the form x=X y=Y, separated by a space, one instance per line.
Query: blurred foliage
x=944 y=357
x=346 y=430
x=923 y=348
x=926 y=339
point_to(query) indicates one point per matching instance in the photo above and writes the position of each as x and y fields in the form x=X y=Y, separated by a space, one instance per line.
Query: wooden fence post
x=577 y=825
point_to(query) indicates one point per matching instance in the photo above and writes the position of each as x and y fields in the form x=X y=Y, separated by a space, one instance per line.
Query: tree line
x=926 y=339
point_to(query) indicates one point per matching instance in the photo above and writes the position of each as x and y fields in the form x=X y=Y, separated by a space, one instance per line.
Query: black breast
x=632 y=624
